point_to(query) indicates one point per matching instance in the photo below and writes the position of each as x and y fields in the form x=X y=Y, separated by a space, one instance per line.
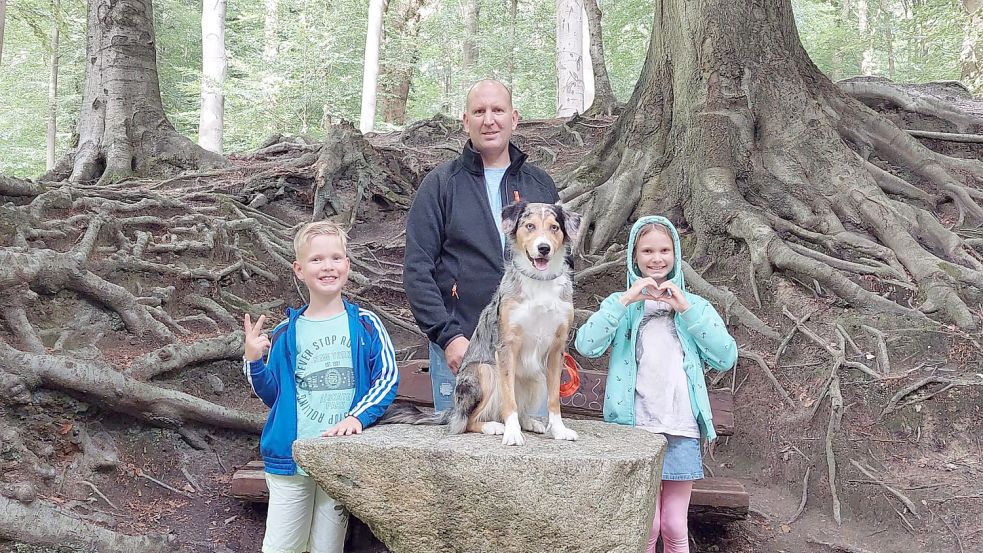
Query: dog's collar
x=535 y=276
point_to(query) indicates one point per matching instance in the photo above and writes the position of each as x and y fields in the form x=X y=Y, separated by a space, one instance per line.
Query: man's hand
x=347 y=427
x=454 y=353
x=256 y=342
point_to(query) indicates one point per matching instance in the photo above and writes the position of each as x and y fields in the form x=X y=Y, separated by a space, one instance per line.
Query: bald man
x=455 y=248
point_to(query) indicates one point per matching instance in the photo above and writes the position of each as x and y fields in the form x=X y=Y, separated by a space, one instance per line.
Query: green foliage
x=317 y=67
x=924 y=38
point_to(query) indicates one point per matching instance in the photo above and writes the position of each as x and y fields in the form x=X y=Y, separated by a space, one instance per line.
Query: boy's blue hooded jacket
x=376 y=380
x=701 y=332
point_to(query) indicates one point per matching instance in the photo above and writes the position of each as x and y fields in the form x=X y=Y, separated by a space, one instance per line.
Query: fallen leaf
x=65 y=428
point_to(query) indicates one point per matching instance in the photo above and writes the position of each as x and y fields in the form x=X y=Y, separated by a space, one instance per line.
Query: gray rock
x=215 y=383
x=420 y=489
x=100 y=450
x=259 y=201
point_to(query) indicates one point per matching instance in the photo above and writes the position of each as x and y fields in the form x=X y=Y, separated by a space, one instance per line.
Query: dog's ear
x=569 y=221
x=510 y=217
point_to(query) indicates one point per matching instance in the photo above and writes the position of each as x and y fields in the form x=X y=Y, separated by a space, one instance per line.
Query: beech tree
x=734 y=132
x=122 y=129
x=213 y=67
x=370 y=71
x=569 y=58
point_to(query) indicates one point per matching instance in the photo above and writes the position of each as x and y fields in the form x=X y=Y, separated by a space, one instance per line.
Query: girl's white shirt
x=662 y=402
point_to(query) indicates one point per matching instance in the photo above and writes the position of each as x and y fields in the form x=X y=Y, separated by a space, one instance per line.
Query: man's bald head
x=490 y=119
x=487 y=85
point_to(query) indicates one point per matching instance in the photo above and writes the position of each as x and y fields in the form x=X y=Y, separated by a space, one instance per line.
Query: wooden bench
x=713 y=499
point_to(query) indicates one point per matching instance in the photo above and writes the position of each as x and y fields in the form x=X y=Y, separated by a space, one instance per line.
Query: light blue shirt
x=324 y=375
x=493 y=181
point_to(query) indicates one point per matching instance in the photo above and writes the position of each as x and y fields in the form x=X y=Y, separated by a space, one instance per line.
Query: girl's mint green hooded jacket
x=701 y=332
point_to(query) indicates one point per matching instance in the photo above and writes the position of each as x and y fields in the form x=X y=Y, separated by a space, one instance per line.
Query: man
x=455 y=248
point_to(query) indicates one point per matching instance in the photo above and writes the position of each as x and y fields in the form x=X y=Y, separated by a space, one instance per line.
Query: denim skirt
x=683 y=460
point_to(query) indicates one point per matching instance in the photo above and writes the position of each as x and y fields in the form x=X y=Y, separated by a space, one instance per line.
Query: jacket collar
x=471 y=159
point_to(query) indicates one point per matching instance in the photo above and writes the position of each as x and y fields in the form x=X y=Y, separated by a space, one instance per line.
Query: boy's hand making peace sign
x=256 y=342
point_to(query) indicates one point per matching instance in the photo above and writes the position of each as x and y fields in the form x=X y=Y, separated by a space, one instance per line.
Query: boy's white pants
x=302 y=517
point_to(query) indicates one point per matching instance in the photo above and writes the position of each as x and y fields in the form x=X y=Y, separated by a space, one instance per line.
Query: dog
x=515 y=357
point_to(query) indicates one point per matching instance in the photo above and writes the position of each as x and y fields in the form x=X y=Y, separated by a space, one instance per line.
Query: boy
x=331 y=371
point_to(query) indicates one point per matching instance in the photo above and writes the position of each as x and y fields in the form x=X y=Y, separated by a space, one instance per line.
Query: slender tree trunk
x=887 y=21
x=211 y=126
x=123 y=130
x=52 y=133
x=863 y=25
x=271 y=44
x=971 y=55
x=569 y=58
x=3 y=20
x=510 y=62
x=472 y=13
x=586 y=59
x=604 y=99
x=370 y=72
x=836 y=73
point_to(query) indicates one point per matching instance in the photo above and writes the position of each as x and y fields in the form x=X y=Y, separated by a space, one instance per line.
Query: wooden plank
x=250 y=485
x=414 y=386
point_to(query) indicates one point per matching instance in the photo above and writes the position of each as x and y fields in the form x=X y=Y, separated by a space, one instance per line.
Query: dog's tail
x=467 y=396
x=406 y=413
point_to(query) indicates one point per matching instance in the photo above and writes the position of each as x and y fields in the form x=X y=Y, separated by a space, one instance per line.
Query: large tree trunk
x=397 y=71
x=211 y=126
x=733 y=131
x=370 y=70
x=604 y=100
x=52 y=133
x=569 y=58
x=123 y=130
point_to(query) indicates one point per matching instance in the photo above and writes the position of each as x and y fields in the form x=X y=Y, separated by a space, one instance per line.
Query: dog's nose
x=544 y=249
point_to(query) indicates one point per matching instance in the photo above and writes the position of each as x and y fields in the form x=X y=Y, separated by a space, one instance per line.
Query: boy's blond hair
x=319 y=228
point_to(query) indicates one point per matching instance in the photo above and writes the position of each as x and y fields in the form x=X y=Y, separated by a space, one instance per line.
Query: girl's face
x=654 y=255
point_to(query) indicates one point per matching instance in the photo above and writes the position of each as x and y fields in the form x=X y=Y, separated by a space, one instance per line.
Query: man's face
x=490 y=118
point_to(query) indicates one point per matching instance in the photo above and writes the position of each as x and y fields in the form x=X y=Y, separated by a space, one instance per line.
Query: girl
x=660 y=337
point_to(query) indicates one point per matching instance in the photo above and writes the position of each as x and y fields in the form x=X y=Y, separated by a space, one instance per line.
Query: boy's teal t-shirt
x=324 y=374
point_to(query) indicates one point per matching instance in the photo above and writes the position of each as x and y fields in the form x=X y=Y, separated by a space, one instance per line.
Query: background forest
x=293 y=64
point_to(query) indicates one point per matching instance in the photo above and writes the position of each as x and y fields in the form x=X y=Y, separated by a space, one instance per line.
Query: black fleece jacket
x=454 y=260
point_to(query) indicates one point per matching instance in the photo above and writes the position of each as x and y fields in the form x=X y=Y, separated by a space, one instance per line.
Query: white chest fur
x=540 y=311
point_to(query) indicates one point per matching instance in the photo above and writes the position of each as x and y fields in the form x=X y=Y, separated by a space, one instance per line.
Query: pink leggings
x=670 y=517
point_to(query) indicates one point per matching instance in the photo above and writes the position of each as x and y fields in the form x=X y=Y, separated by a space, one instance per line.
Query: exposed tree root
x=21 y=522
x=102 y=384
x=909 y=100
x=176 y=356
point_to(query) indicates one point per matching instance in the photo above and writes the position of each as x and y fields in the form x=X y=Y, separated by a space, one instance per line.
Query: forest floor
x=924 y=445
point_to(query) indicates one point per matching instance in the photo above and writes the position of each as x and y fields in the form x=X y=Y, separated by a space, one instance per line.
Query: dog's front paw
x=558 y=430
x=493 y=428
x=563 y=433
x=513 y=433
x=532 y=425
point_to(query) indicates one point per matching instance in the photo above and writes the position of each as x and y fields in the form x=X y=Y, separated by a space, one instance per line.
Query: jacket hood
x=676 y=275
